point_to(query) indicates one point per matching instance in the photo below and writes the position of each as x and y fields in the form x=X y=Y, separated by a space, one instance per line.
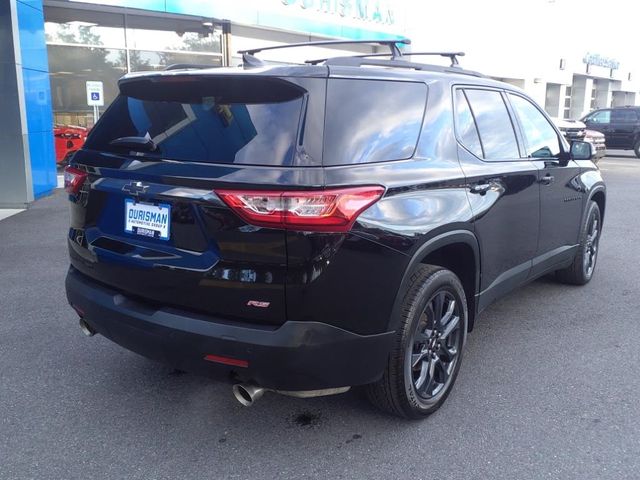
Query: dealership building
x=62 y=60
x=570 y=84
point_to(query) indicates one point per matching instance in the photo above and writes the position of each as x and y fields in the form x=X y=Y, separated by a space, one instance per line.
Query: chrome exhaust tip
x=86 y=328
x=246 y=394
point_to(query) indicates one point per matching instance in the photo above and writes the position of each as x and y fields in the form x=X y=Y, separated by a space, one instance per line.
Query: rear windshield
x=213 y=120
x=372 y=120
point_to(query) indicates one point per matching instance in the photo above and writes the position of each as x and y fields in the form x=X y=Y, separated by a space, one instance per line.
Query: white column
x=581 y=96
x=554 y=99
x=603 y=94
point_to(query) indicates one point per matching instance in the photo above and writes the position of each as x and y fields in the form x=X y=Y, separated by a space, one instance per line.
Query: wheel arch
x=598 y=195
x=458 y=251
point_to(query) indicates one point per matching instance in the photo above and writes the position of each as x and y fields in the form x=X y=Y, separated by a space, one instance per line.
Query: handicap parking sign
x=95 y=97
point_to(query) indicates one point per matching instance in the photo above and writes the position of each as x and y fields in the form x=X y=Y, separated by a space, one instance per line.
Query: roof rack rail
x=249 y=59
x=453 y=56
x=360 y=61
x=188 y=66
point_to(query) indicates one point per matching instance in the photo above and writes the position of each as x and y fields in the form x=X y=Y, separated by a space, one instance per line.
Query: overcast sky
x=537 y=27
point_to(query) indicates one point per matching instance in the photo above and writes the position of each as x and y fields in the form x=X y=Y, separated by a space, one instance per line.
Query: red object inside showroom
x=68 y=139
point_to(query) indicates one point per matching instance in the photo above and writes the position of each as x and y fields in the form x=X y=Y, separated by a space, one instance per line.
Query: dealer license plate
x=146 y=219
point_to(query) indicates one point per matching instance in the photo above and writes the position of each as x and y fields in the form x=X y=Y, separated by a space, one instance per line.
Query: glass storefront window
x=140 y=39
x=66 y=26
x=69 y=69
x=87 y=45
x=141 y=60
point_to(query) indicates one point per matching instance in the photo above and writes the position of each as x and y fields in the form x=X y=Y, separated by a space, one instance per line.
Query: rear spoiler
x=189 y=88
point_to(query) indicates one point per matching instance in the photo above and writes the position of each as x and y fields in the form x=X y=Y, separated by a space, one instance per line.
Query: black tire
x=437 y=356
x=580 y=272
x=636 y=149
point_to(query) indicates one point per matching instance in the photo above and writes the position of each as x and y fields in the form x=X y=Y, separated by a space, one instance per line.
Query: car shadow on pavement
x=151 y=417
x=136 y=389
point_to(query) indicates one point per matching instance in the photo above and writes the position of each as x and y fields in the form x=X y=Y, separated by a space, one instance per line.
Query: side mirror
x=581 y=151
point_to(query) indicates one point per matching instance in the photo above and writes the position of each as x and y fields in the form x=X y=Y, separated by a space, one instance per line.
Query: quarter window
x=466 y=126
x=541 y=137
x=497 y=136
x=371 y=121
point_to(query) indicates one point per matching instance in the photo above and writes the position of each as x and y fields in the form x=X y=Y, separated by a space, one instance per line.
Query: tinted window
x=494 y=124
x=466 y=126
x=372 y=121
x=206 y=121
x=603 y=116
x=542 y=139
x=624 y=116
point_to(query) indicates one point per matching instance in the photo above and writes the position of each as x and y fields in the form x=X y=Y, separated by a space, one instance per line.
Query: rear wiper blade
x=144 y=144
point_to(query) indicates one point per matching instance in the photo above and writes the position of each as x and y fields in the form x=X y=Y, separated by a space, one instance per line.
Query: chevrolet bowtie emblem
x=135 y=188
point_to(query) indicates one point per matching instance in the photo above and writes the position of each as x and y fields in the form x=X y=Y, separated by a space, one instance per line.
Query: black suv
x=308 y=228
x=621 y=127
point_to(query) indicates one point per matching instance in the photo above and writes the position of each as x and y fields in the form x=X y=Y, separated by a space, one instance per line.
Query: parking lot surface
x=549 y=387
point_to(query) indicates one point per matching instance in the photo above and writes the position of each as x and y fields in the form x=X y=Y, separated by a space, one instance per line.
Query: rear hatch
x=145 y=218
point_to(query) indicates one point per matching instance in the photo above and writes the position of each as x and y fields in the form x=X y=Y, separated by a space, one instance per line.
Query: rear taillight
x=333 y=210
x=73 y=180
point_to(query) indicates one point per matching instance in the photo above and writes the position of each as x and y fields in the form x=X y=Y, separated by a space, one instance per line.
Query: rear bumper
x=294 y=356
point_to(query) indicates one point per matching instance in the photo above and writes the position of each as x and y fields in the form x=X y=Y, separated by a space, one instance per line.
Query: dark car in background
x=305 y=229
x=620 y=126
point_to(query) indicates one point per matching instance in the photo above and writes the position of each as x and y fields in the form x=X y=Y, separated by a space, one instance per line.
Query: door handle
x=547 y=179
x=481 y=188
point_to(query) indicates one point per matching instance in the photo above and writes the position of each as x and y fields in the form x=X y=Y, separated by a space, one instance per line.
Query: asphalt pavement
x=549 y=387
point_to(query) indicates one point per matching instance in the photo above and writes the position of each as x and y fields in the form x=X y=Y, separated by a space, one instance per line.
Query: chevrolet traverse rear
x=307 y=229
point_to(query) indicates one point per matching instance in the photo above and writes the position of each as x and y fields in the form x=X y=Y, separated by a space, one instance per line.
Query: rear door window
x=372 y=120
x=251 y=121
x=496 y=131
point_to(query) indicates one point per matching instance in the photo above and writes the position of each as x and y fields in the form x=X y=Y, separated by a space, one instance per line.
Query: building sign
x=349 y=19
x=363 y=10
x=600 y=61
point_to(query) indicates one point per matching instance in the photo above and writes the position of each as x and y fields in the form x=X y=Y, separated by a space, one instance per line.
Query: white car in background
x=576 y=130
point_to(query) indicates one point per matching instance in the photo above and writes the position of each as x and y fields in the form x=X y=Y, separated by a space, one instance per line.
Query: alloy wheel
x=436 y=345
x=591 y=246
